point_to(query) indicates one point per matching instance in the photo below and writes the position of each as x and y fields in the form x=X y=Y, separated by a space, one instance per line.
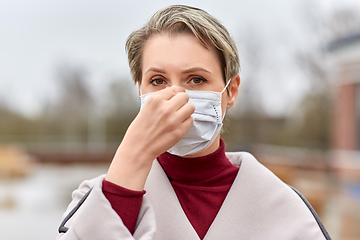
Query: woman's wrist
x=129 y=168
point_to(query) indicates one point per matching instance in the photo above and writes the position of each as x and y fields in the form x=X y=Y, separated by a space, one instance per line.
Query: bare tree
x=253 y=63
x=123 y=99
x=73 y=104
x=342 y=23
x=122 y=106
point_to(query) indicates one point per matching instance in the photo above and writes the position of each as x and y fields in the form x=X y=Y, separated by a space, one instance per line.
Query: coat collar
x=171 y=220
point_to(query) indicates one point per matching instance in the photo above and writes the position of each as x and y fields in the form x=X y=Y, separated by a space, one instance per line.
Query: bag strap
x=62 y=228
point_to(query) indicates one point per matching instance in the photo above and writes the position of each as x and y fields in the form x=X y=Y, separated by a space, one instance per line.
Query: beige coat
x=258 y=206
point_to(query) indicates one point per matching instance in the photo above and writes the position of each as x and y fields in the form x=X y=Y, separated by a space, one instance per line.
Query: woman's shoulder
x=86 y=185
x=280 y=205
x=237 y=158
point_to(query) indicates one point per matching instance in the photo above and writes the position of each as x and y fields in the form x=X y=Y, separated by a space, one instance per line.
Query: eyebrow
x=155 y=69
x=196 y=69
x=189 y=70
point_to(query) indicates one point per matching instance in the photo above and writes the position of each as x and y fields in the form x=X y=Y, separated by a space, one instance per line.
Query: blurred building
x=346 y=124
x=345 y=130
x=345 y=133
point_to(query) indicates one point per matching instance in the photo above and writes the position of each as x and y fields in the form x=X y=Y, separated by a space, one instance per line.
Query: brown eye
x=157 y=81
x=198 y=80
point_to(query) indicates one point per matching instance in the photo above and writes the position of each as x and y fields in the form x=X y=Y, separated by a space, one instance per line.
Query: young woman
x=170 y=177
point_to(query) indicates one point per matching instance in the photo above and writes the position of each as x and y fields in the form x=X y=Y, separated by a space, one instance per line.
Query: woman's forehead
x=182 y=50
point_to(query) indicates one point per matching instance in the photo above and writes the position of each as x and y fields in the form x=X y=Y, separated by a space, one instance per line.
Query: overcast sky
x=36 y=36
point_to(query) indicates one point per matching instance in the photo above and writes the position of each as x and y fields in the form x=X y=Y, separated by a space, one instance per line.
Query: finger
x=178 y=100
x=187 y=124
x=185 y=111
x=181 y=129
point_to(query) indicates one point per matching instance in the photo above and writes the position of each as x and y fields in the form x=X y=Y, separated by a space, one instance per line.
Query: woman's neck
x=194 y=169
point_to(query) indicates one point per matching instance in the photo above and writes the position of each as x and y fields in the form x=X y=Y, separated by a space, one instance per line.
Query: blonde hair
x=184 y=19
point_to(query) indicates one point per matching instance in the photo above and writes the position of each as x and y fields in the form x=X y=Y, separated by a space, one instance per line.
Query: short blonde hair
x=177 y=19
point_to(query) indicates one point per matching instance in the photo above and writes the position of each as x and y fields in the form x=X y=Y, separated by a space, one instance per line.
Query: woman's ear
x=233 y=90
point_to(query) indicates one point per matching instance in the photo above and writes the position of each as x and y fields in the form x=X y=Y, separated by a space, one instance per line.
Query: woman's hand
x=161 y=123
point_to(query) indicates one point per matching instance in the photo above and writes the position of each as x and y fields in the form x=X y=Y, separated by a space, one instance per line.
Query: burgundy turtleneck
x=201 y=185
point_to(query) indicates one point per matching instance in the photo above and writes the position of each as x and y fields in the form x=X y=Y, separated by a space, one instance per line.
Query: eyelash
x=203 y=80
x=153 y=80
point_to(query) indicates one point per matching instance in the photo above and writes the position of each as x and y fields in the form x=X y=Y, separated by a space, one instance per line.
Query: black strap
x=62 y=228
x=312 y=210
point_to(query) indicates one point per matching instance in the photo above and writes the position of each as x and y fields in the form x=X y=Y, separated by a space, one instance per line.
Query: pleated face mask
x=206 y=125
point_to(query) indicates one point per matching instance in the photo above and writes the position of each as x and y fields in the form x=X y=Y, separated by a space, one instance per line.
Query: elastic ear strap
x=227 y=84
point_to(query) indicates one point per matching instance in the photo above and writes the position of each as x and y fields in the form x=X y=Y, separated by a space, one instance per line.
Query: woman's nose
x=177 y=84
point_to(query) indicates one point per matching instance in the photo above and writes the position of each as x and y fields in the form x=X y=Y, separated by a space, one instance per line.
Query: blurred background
x=67 y=98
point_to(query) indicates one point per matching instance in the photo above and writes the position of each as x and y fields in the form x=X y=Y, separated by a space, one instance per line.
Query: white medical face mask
x=206 y=125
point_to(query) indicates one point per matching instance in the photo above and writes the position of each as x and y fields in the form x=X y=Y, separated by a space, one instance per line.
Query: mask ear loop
x=227 y=84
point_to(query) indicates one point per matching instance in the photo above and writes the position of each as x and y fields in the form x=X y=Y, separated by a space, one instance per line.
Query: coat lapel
x=226 y=222
x=261 y=206
x=170 y=217
x=249 y=210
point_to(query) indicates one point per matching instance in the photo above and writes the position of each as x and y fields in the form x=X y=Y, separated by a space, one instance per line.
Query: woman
x=170 y=177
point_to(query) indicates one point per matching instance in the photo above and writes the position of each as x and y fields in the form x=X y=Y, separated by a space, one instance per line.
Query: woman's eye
x=198 y=80
x=157 y=81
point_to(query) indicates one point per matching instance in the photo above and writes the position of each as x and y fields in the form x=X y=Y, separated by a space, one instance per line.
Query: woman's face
x=180 y=60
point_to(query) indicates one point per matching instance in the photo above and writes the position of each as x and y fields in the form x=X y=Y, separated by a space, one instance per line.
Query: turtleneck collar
x=194 y=169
